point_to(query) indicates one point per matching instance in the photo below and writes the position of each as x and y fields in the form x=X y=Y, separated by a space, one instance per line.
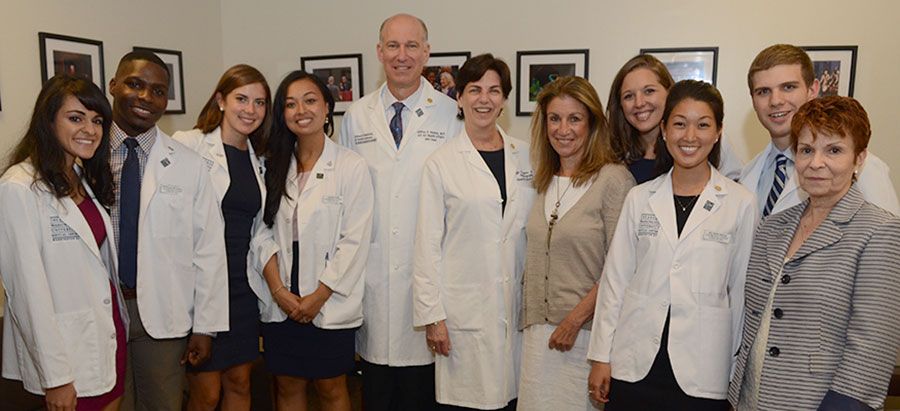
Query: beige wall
x=285 y=30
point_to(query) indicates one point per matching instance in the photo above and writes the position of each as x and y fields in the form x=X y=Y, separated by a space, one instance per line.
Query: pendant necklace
x=683 y=206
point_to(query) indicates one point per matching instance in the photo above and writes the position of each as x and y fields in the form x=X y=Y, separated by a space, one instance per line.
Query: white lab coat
x=334 y=220
x=874 y=181
x=212 y=150
x=387 y=336
x=59 y=323
x=182 y=279
x=730 y=164
x=699 y=276
x=468 y=269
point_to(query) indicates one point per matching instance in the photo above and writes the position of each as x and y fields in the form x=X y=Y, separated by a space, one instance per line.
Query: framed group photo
x=835 y=68
x=535 y=69
x=172 y=58
x=341 y=73
x=442 y=70
x=690 y=63
x=72 y=55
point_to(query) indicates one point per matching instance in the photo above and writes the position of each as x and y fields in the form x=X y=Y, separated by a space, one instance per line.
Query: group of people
x=621 y=258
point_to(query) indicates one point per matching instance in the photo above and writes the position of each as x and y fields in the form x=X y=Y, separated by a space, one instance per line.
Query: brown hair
x=780 y=54
x=698 y=91
x=235 y=77
x=836 y=115
x=597 y=152
x=625 y=141
x=473 y=70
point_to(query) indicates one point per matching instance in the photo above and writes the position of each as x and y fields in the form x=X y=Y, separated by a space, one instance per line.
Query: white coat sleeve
x=737 y=270
x=427 y=260
x=29 y=301
x=345 y=268
x=621 y=262
x=875 y=183
x=210 y=268
x=730 y=165
x=262 y=247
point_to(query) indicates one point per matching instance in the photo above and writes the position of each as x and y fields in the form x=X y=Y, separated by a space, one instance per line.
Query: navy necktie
x=129 y=209
x=777 y=183
x=397 y=123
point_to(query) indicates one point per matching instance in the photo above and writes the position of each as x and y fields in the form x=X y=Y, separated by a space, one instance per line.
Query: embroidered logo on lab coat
x=363 y=138
x=723 y=238
x=431 y=135
x=648 y=226
x=170 y=189
x=60 y=231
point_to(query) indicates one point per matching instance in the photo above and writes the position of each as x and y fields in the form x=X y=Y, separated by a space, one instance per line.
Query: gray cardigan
x=836 y=322
x=557 y=277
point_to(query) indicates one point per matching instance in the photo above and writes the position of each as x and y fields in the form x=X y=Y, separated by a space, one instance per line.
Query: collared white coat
x=182 y=279
x=334 y=220
x=468 y=269
x=699 y=276
x=874 y=182
x=59 y=323
x=387 y=335
x=211 y=148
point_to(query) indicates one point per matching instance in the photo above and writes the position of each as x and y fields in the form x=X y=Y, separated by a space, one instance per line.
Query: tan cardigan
x=558 y=277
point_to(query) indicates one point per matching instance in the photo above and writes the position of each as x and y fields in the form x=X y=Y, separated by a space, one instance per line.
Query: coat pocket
x=464 y=306
x=79 y=331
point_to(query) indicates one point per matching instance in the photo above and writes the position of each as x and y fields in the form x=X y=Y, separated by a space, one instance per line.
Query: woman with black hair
x=65 y=328
x=318 y=221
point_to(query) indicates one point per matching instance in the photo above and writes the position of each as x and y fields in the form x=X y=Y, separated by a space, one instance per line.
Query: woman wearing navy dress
x=319 y=218
x=228 y=134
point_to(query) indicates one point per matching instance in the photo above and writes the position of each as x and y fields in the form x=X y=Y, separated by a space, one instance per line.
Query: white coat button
x=396 y=267
x=676 y=266
x=112 y=336
x=663 y=305
x=395 y=231
x=106 y=301
x=656 y=340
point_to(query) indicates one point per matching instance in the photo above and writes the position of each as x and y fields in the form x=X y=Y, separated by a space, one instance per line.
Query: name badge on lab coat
x=723 y=238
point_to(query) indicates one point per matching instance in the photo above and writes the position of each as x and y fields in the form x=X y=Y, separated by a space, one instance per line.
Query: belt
x=129 y=293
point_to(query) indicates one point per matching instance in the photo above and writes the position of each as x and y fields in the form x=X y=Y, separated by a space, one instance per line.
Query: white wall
x=285 y=30
x=193 y=27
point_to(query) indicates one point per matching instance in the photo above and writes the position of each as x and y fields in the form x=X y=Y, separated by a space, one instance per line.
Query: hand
x=598 y=381
x=198 y=349
x=437 y=338
x=289 y=303
x=563 y=337
x=310 y=305
x=62 y=398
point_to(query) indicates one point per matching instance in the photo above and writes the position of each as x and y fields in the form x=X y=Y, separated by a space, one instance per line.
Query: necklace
x=554 y=215
x=683 y=206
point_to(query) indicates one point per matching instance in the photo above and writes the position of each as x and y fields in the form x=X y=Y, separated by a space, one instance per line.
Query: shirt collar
x=145 y=140
x=774 y=152
x=410 y=102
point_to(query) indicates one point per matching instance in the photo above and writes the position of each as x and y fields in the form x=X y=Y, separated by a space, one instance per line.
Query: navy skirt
x=304 y=350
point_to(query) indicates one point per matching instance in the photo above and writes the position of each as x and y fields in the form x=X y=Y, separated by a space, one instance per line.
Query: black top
x=642 y=170
x=494 y=160
x=239 y=206
x=683 y=207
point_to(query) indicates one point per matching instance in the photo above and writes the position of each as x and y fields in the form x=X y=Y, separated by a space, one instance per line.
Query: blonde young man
x=781 y=79
x=395 y=129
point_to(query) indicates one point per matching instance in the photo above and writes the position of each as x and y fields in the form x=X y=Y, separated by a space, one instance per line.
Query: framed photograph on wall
x=690 y=63
x=172 y=58
x=442 y=69
x=341 y=73
x=73 y=55
x=535 y=69
x=835 y=68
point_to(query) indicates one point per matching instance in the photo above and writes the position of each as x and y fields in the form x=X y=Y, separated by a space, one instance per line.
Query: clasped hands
x=302 y=309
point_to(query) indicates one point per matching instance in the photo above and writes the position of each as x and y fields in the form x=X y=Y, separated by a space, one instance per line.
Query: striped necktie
x=397 y=123
x=777 y=183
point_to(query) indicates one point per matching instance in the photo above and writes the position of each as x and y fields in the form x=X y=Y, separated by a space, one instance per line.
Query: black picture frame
x=694 y=63
x=80 y=56
x=826 y=59
x=541 y=67
x=445 y=62
x=173 y=59
x=338 y=66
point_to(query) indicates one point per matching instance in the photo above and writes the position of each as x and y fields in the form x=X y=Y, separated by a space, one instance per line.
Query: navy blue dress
x=239 y=206
x=642 y=169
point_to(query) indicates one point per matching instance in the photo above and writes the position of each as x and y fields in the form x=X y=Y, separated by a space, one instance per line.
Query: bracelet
x=277 y=290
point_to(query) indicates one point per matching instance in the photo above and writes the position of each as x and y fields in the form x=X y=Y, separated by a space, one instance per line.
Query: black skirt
x=304 y=350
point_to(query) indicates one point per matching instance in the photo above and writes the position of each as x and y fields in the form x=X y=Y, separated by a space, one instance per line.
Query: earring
x=221 y=108
x=326 y=121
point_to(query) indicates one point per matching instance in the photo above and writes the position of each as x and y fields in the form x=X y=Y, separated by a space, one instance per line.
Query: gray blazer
x=836 y=312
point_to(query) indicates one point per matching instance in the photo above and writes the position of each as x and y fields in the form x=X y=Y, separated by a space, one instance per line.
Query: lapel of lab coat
x=70 y=214
x=511 y=163
x=660 y=201
x=320 y=174
x=423 y=106
x=214 y=149
x=476 y=162
x=380 y=124
x=710 y=200
x=161 y=159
